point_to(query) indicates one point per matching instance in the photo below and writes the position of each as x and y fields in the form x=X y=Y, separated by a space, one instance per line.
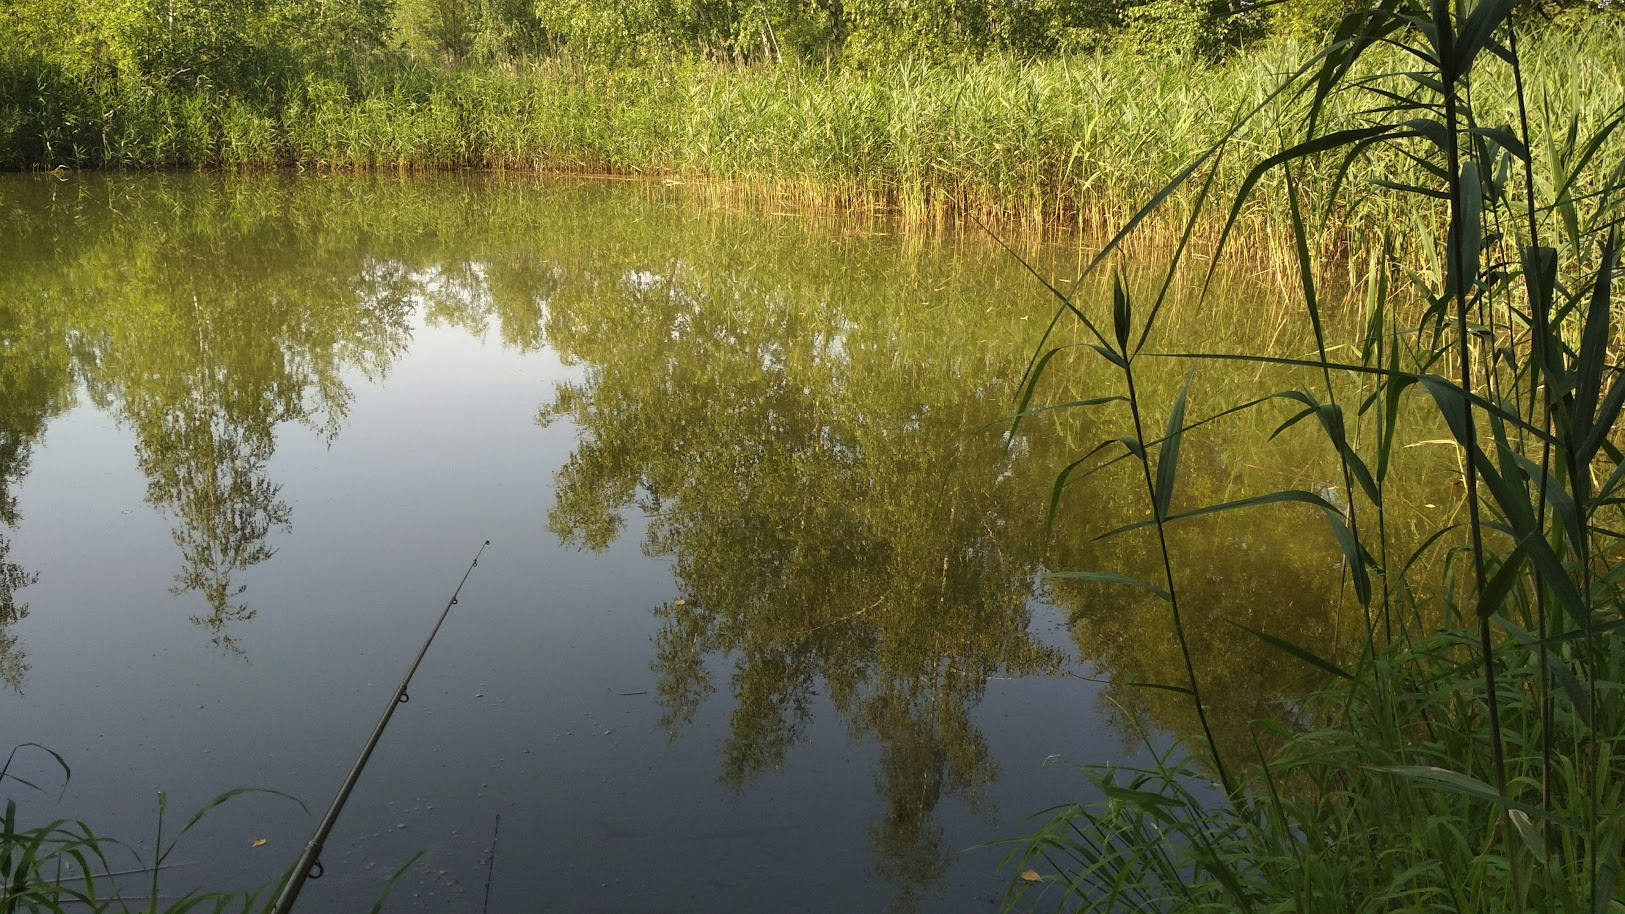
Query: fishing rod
x=310 y=863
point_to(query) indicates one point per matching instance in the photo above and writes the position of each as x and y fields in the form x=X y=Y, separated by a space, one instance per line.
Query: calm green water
x=763 y=626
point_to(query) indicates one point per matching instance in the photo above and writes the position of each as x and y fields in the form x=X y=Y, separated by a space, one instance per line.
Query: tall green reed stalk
x=1470 y=759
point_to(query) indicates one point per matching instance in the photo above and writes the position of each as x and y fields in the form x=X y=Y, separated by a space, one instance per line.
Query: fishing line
x=491 y=864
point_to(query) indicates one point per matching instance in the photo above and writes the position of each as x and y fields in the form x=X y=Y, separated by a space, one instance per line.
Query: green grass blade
x=1502 y=582
x=1466 y=785
x=378 y=906
x=1254 y=501
x=1462 y=251
x=1556 y=667
x=1591 y=364
x=1592 y=424
x=1064 y=478
x=1485 y=17
x=1028 y=388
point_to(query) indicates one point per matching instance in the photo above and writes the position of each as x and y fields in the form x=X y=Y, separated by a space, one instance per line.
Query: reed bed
x=1074 y=142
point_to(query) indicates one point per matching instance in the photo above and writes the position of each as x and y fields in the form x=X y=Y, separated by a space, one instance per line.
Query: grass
x=1470 y=759
x=64 y=865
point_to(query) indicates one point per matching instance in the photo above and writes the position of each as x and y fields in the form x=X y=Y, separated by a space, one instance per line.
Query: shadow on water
x=807 y=421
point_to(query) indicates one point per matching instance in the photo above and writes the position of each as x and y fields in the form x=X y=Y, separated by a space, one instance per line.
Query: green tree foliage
x=880 y=32
x=226 y=45
x=885 y=31
x=72 y=72
x=454 y=31
x=724 y=30
x=451 y=83
x=1202 y=29
x=261 y=48
x=1312 y=19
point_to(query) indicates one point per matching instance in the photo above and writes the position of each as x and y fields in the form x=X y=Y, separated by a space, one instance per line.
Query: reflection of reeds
x=1467 y=761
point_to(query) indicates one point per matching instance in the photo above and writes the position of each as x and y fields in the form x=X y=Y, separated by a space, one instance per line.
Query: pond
x=764 y=623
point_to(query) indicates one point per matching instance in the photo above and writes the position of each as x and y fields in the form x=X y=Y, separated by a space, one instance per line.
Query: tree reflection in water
x=35 y=384
x=840 y=522
x=810 y=421
x=814 y=436
x=203 y=318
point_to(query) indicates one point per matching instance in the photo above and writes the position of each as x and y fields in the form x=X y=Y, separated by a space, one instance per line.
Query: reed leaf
x=1168 y=453
x=1295 y=650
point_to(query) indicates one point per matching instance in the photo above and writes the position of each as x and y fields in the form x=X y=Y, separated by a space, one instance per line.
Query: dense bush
x=249 y=47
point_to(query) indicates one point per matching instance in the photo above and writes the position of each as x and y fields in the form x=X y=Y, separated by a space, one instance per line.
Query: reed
x=1469 y=760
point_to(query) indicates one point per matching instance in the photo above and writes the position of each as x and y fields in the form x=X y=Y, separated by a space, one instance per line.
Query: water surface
x=763 y=626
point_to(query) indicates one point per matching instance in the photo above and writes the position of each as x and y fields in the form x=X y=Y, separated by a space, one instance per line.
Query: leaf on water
x=1031 y=876
x=257 y=842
